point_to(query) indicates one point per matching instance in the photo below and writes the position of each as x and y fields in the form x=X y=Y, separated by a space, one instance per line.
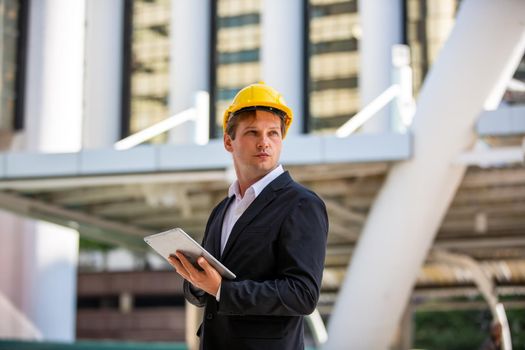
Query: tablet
x=168 y=242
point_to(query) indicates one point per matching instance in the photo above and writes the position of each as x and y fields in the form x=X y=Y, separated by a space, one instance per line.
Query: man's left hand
x=209 y=280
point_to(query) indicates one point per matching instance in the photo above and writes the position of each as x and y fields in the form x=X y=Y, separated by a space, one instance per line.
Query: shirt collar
x=257 y=187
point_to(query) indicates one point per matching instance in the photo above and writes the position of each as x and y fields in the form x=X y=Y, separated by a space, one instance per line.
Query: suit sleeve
x=300 y=256
x=194 y=295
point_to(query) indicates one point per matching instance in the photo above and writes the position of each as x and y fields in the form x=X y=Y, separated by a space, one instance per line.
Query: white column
x=55 y=75
x=103 y=77
x=53 y=123
x=52 y=278
x=381 y=27
x=282 y=54
x=407 y=213
x=189 y=60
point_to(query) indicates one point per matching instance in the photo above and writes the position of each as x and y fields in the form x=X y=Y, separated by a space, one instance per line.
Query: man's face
x=257 y=145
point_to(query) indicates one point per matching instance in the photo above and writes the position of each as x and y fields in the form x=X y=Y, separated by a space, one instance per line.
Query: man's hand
x=209 y=280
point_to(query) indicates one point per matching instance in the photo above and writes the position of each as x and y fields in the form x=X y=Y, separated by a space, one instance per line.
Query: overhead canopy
x=118 y=197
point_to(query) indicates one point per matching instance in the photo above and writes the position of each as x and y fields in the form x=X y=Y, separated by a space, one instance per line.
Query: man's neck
x=244 y=184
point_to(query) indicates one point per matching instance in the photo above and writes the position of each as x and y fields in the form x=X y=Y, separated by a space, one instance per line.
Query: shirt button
x=209 y=316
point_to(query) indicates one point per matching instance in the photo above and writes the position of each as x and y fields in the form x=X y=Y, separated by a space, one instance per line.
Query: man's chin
x=265 y=167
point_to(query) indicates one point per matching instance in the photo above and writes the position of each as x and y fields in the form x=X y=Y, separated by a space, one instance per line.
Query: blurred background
x=409 y=122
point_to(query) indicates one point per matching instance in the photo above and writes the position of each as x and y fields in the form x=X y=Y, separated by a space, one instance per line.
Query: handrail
x=156 y=129
x=369 y=111
x=199 y=113
x=485 y=285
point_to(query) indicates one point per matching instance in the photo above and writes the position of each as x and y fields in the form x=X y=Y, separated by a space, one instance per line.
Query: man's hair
x=248 y=112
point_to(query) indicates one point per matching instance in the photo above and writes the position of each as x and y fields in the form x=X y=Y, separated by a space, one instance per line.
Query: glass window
x=9 y=44
x=237 y=52
x=333 y=61
x=149 y=76
x=429 y=23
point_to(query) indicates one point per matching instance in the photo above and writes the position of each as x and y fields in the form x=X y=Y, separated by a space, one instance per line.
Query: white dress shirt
x=240 y=204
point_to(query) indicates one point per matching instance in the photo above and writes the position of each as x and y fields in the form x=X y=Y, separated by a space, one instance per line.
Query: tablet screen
x=168 y=242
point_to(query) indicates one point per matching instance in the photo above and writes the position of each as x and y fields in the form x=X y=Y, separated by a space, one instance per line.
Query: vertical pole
x=403 y=108
x=202 y=118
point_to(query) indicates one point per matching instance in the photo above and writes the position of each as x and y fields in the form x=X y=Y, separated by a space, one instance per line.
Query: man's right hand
x=209 y=280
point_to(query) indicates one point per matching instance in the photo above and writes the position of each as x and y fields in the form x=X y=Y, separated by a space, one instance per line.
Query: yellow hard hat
x=259 y=95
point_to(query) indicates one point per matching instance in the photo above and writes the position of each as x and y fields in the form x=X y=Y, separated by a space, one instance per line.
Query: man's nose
x=263 y=142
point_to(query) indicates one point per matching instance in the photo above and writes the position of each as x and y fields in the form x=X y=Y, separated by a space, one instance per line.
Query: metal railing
x=199 y=114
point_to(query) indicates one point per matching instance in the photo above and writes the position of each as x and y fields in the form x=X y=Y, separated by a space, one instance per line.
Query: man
x=270 y=231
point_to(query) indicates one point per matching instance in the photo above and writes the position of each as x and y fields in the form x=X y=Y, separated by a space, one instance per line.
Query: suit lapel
x=262 y=200
x=217 y=229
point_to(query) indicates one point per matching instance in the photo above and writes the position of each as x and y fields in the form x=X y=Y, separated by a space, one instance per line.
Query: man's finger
x=205 y=265
x=186 y=263
x=184 y=275
x=174 y=261
x=181 y=270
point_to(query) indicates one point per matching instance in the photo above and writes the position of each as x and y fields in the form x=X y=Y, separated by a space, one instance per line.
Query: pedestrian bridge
x=118 y=197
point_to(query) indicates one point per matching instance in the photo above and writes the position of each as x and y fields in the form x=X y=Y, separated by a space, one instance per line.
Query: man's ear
x=227 y=142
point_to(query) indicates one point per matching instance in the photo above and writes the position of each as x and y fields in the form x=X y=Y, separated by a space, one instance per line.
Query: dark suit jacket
x=277 y=250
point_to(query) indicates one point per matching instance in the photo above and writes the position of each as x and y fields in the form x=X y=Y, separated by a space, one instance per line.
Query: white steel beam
x=411 y=204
